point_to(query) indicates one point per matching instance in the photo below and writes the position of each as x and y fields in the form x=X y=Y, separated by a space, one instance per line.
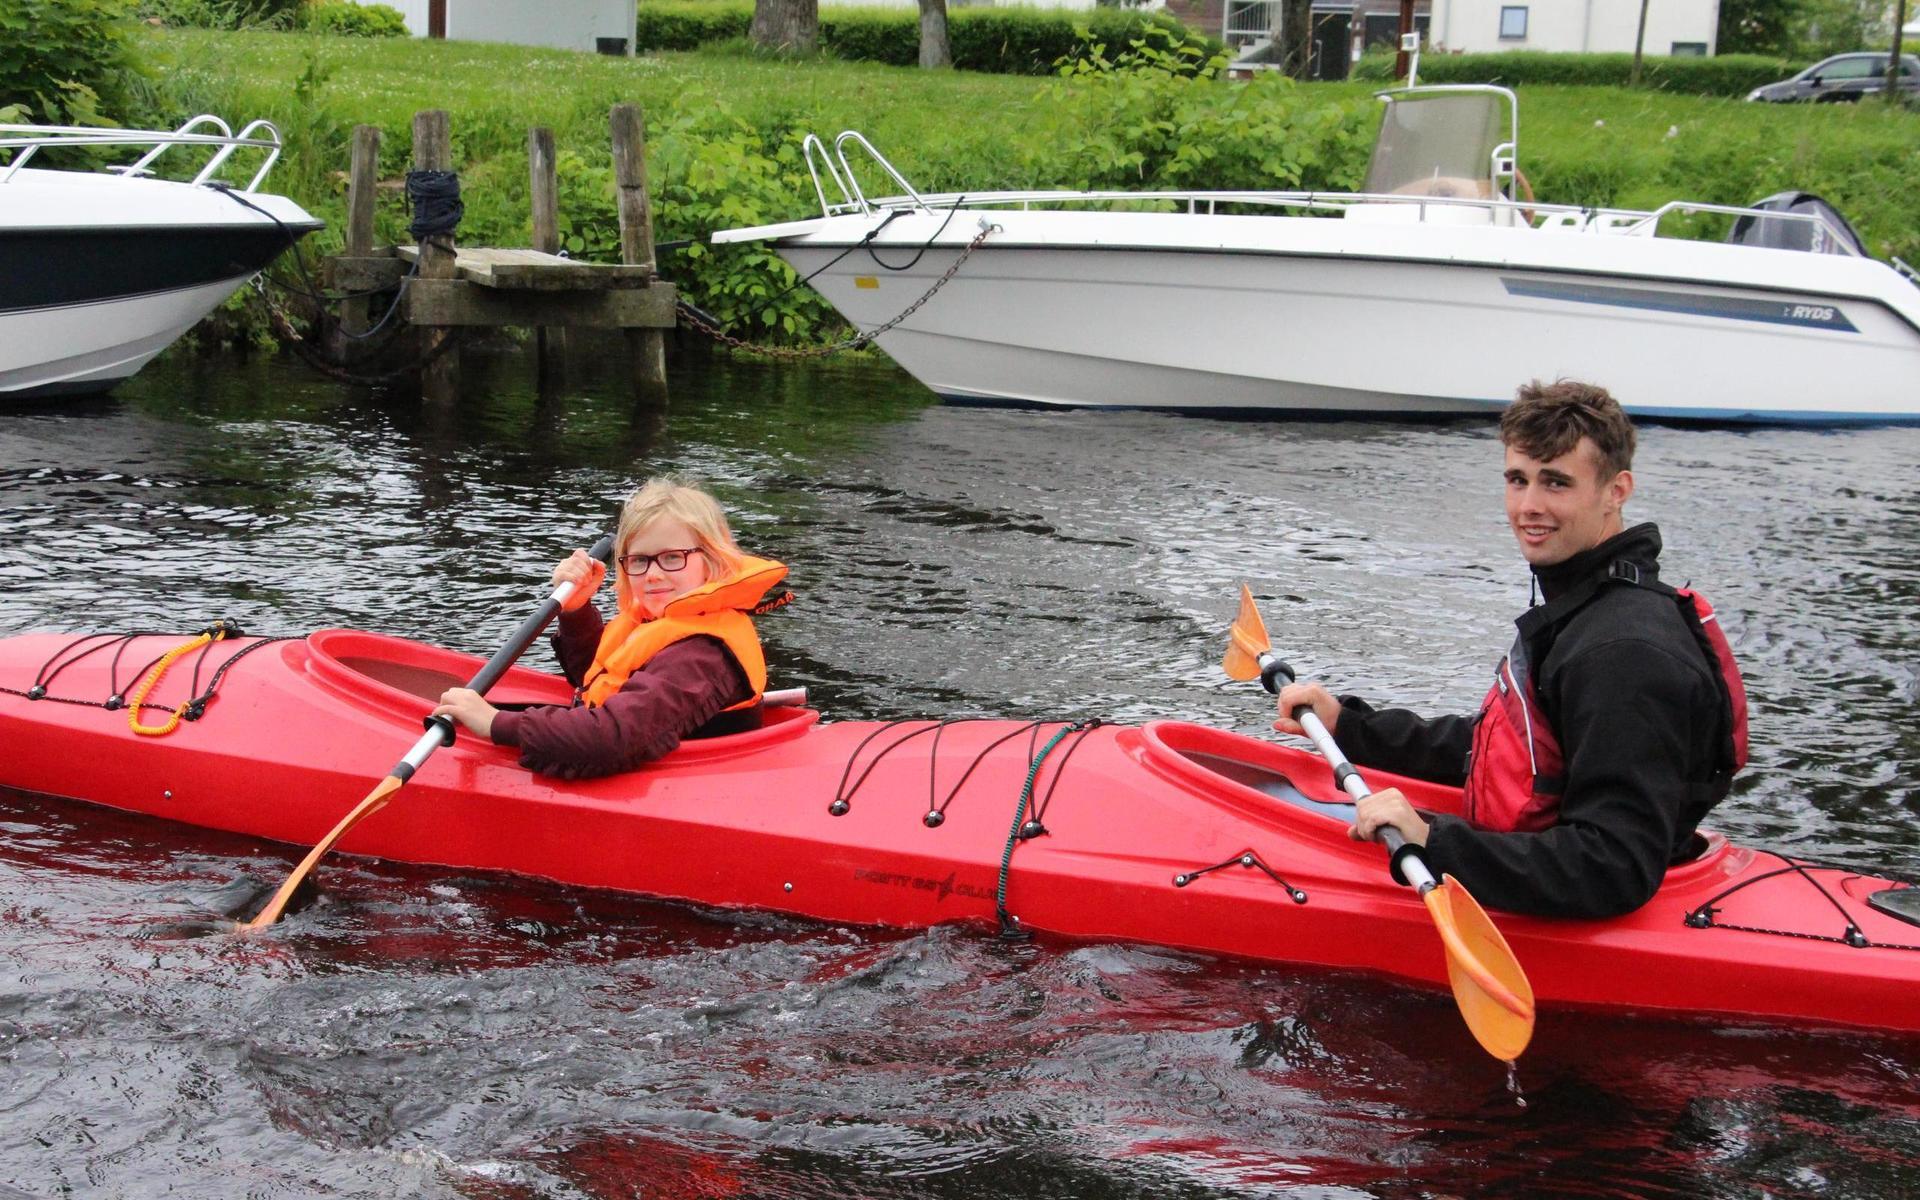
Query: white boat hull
x=86 y=348
x=1296 y=314
x=100 y=271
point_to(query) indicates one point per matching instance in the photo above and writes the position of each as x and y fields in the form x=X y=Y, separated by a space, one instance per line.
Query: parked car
x=1843 y=77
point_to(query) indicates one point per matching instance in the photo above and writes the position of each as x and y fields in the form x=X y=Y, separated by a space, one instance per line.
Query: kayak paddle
x=440 y=731
x=1488 y=984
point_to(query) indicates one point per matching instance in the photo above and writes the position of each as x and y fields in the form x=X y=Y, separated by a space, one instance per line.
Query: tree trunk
x=1295 y=42
x=789 y=26
x=1894 y=94
x=1639 y=42
x=935 y=49
x=1402 y=60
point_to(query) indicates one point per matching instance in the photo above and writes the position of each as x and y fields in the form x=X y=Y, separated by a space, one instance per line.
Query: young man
x=1611 y=726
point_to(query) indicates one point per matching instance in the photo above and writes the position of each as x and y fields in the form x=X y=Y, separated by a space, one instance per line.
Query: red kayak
x=1168 y=833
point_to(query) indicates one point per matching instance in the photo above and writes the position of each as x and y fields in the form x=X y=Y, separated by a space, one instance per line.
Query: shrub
x=1006 y=41
x=683 y=24
x=1726 y=75
x=221 y=14
x=1150 y=118
x=355 y=20
x=65 y=62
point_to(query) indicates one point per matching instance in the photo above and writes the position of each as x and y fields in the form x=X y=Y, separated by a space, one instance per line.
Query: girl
x=680 y=659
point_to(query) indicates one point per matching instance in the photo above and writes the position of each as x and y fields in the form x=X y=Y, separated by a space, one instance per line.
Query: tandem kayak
x=1168 y=833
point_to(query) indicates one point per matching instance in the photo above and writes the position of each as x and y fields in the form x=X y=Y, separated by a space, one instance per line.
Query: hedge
x=1726 y=75
x=65 y=62
x=1003 y=41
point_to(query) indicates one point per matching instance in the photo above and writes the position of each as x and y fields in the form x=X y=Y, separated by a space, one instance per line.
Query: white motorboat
x=1436 y=290
x=103 y=268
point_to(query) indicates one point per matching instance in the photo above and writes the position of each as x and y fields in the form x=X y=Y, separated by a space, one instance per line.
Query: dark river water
x=424 y=1033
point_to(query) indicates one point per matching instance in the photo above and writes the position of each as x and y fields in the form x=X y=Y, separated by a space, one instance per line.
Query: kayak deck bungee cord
x=1168 y=833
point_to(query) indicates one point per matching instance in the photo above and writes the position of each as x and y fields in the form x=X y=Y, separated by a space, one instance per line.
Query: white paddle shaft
x=1413 y=866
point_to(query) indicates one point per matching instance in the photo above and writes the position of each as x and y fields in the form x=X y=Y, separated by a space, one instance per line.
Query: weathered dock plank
x=535 y=271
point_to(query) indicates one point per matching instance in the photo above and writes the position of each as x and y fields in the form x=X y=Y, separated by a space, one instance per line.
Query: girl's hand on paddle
x=1314 y=695
x=469 y=708
x=1387 y=807
x=584 y=572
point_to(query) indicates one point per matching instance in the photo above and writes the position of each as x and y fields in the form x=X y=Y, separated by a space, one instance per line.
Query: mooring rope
x=433 y=197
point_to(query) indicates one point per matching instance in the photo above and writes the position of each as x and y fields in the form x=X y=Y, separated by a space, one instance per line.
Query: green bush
x=355 y=20
x=66 y=62
x=1155 y=116
x=1726 y=75
x=1004 y=41
x=685 y=24
x=221 y=14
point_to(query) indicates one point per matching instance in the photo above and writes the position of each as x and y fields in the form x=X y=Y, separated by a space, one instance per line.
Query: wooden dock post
x=647 y=347
x=545 y=192
x=490 y=287
x=363 y=177
x=433 y=151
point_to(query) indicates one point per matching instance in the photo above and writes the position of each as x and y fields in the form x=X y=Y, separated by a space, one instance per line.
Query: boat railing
x=1557 y=217
x=852 y=182
x=810 y=147
x=1652 y=220
x=1209 y=202
x=24 y=141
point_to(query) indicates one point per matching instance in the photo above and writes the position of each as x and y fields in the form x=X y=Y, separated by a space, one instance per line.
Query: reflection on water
x=423 y=1033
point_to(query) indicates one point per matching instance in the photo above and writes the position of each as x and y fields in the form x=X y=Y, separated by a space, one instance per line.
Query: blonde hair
x=672 y=496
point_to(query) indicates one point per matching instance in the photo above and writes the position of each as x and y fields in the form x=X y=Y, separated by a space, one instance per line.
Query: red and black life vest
x=1517 y=773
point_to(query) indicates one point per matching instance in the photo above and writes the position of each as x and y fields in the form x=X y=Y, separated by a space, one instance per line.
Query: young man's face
x=1559 y=508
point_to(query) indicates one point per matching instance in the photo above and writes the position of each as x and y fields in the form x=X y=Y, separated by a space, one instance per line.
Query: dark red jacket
x=680 y=690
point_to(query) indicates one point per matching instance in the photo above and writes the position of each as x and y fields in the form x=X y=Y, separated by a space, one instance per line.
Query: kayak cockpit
x=407 y=677
x=1240 y=771
x=397 y=675
x=1261 y=777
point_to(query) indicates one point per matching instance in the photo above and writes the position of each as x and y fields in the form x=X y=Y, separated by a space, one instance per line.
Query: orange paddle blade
x=375 y=801
x=1492 y=991
x=1247 y=641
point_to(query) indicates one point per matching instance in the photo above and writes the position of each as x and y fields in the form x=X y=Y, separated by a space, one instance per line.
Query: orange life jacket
x=720 y=608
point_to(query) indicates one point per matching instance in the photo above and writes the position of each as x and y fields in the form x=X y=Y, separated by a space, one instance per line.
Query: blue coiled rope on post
x=434 y=199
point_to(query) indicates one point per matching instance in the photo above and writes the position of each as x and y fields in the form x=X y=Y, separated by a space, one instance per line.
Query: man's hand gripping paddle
x=439 y=733
x=1492 y=991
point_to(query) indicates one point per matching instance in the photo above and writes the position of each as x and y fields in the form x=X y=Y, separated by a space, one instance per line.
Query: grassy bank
x=724 y=137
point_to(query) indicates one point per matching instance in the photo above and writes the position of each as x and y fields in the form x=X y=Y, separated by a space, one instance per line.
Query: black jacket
x=1638 y=713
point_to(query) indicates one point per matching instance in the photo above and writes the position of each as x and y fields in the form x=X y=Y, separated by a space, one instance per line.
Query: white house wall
x=563 y=24
x=1591 y=26
x=415 y=11
x=954 y=4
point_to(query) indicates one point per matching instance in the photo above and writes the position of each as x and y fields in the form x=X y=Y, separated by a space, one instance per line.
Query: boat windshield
x=1440 y=144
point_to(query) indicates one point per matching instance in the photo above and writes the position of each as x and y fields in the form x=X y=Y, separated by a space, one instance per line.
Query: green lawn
x=724 y=130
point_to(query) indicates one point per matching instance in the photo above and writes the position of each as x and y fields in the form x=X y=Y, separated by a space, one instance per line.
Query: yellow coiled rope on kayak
x=139 y=695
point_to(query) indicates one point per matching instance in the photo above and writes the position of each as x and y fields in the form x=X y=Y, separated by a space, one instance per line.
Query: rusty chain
x=692 y=317
x=284 y=326
x=314 y=357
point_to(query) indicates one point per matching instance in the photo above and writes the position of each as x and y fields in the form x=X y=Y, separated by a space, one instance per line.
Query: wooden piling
x=363 y=177
x=543 y=174
x=646 y=347
x=449 y=290
x=433 y=151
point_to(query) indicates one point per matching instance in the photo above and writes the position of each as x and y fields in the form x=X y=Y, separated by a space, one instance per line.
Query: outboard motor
x=1798 y=235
